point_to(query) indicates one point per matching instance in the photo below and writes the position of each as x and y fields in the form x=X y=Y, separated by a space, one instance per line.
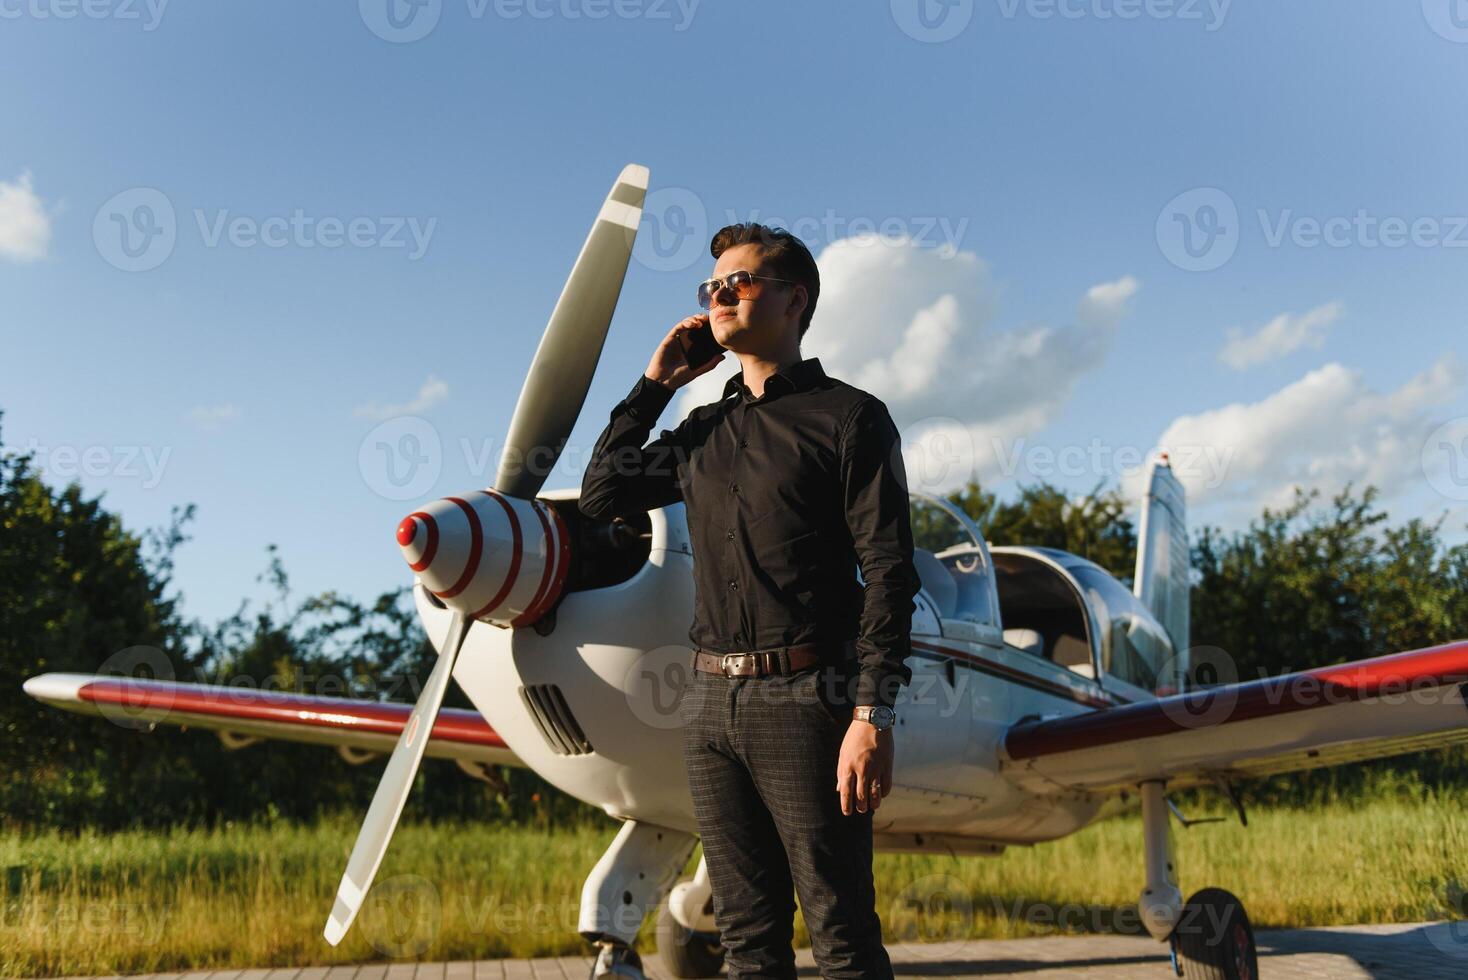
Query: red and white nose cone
x=489 y=556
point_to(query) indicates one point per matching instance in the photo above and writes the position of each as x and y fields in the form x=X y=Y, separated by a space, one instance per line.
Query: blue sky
x=1062 y=149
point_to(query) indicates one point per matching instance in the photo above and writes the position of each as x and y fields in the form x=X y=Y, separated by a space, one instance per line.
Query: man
x=790 y=481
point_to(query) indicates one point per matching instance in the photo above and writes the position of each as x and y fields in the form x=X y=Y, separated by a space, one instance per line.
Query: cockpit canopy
x=952 y=561
x=1134 y=646
x=1061 y=596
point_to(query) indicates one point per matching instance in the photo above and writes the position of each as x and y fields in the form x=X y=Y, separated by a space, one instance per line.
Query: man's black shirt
x=785 y=496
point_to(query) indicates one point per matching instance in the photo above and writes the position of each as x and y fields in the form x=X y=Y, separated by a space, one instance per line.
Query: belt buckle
x=724 y=662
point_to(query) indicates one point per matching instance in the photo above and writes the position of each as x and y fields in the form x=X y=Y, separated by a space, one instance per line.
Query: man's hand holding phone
x=690 y=337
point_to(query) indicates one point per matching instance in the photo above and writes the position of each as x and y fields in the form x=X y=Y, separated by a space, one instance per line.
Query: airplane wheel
x=687 y=953
x=1213 y=939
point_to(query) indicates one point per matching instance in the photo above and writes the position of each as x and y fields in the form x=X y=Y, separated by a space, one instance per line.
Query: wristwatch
x=879 y=715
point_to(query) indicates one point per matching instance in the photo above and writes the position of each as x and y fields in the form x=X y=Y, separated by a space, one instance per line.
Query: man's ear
x=799 y=297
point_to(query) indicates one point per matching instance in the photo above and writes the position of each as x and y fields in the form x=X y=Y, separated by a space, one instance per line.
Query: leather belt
x=759 y=663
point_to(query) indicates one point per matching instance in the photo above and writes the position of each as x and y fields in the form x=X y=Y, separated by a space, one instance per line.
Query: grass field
x=256 y=896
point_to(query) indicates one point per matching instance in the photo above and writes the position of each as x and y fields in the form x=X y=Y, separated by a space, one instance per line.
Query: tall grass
x=258 y=895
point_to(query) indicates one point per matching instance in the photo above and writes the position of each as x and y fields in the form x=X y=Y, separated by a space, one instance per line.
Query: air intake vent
x=553 y=716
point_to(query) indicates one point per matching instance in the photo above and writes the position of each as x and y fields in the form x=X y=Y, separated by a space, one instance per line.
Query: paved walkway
x=1396 y=952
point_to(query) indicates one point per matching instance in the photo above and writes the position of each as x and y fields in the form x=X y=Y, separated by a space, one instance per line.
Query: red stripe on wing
x=385 y=718
x=1395 y=674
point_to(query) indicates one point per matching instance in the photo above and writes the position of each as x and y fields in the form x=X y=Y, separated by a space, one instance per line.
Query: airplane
x=1045 y=694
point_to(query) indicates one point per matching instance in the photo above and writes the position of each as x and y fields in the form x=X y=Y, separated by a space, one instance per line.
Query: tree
x=79 y=593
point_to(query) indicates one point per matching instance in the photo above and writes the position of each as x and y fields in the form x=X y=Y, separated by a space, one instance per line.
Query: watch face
x=883 y=716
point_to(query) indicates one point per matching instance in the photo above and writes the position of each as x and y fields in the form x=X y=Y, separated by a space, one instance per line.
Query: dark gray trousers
x=761 y=756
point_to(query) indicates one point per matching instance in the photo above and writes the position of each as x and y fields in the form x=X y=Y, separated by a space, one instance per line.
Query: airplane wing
x=357 y=728
x=1323 y=717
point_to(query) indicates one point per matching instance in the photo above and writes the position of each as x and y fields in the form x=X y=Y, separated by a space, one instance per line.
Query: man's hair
x=786 y=256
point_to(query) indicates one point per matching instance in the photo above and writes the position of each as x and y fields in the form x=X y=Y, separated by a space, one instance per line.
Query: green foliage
x=79 y=593
x=1310 y=585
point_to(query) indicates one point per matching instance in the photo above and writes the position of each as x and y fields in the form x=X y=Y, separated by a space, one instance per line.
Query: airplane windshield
x=951 y=560
x=1134 y=649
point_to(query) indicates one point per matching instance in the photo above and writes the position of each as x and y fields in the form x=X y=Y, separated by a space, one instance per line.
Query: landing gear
x=616 y=959
x=688 y=938
x=631 y=879
x=1209 y=935
x=687 y=953
x=1213 y=939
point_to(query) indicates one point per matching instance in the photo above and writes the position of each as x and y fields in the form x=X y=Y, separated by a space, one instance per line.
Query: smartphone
x=699 y=346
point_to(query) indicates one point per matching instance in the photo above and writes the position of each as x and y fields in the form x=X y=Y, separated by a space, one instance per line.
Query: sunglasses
x=741 y=282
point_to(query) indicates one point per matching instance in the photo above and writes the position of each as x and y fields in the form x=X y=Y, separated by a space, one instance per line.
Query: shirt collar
x=797 y=376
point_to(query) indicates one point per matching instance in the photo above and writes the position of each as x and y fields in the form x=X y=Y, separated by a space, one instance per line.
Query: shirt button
x=743 y=443
x=733 y=488
x=733 y=586
x=729 y=534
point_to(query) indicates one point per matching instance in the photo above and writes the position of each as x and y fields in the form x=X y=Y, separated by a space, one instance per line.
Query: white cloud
x=1284 y=334
x=1104 y=305
x=209 y=418
x=1322 y=431
x=432 y=392
x=915 y=327
x=25 y=228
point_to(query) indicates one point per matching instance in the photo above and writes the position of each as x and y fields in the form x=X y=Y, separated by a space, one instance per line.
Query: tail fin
x=1161 y=582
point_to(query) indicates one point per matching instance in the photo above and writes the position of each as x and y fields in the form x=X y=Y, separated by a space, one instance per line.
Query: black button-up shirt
x=786 y=495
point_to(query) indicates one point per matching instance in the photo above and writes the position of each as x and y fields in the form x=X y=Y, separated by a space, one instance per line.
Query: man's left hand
x=866 y=758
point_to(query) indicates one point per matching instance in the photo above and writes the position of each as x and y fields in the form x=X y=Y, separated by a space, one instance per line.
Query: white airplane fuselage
x=592 y=707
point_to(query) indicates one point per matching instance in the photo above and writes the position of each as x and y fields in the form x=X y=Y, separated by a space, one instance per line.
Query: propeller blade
x=392 y=792
x=560 y=374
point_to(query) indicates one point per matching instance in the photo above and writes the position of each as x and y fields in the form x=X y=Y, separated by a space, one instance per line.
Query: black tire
x=1214 y=940
x=687 y=953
